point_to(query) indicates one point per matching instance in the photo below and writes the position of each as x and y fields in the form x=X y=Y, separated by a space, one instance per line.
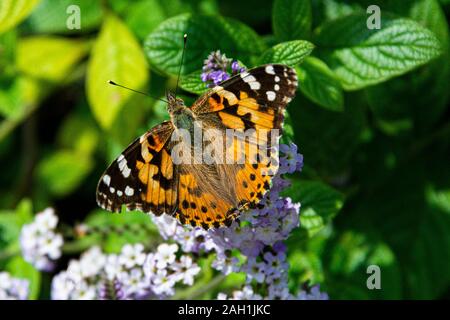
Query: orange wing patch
x=142 y=177
x=200 y=208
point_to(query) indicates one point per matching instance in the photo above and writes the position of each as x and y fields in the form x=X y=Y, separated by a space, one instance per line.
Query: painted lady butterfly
x=147 y=177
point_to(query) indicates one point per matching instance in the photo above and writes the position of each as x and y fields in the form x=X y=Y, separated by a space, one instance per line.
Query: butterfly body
x=182 y=167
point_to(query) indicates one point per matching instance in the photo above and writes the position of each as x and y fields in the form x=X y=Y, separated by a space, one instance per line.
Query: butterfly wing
x=143 y=177
x=255 y=99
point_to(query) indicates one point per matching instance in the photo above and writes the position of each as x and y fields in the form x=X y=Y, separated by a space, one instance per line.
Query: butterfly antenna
x=145 y=94
x=181 y=64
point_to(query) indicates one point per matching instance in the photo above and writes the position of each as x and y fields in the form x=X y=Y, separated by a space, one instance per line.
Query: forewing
x=143 y=177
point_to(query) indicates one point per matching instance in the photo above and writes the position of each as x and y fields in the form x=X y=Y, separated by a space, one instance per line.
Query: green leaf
x=11 y=222
x=51 y=16
x=193 y=83
x=138 y=19
x=63 y=171
x=346 y=259
x=12 y=12
x=288 y=129
x=21 y=269
x=291 y=19
x=19 y=97
x=79 y=133
x=48 y=57
x=320 y=203
x=319 y=84
x=205 y=34
x=116 y=56
x=290 y=53
x=8 y=43
x=123 y=228
x=361 y=57
x=396 y=115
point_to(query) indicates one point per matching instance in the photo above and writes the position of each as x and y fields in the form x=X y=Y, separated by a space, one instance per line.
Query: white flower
x=150 y=268
x=132 y=255
x=62 y=286
x=167 y=225
x=83 y=291
x=13 y=288
x=186 y=270
x=50 y=244
x=225 y=263
x=46 y=220
x=186 y=239
x=165 y=255
x=221 y=296
x=134 y=282
x=246 y=294
x=5 y=280
x=92 y=262
x=113 y=267
x=163 y=283
x=39 y=242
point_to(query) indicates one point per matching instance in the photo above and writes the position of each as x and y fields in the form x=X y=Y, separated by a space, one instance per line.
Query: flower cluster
x=40 y=243
x=13 y=288
x=215 y=69
x=132 y=274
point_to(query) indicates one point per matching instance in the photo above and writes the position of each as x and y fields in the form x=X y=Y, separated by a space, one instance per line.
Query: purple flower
x=216 y=69
x=291 y=160
x=313 y=294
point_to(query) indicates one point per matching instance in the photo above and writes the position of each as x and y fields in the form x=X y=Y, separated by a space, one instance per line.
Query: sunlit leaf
x=361 y=57
x=63 y=171
x=12 y=12
x=290 y=53
x=116 y=56
x=49 y=58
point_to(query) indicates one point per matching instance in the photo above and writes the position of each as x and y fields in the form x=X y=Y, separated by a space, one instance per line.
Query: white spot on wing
x=129 y=191
x=270 y=70
x=277 y=79
x=252 y=82
x=276 y=87
x=255 y=85
x=122 y=163
x=271 y=95
x=112 y=190
x=119 y=193
x=244 y=74
x=106 y=179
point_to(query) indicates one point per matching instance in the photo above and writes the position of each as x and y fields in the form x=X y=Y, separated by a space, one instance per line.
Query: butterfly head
x=174 y=105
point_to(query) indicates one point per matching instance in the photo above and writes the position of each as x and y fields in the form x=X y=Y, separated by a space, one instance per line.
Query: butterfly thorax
x=180 y=115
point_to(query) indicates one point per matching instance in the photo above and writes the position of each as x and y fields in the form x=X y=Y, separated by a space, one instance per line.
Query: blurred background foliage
x=371 y=118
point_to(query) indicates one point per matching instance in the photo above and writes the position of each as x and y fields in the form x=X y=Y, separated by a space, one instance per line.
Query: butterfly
x=149 y=176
